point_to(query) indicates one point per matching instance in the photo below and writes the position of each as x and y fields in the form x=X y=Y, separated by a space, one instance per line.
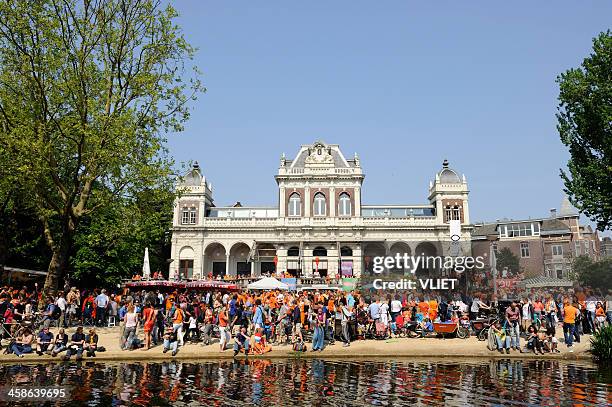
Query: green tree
x=594 y=274
x=87 y=90
x=507 y=259
x=584 y=124
x=110 y=245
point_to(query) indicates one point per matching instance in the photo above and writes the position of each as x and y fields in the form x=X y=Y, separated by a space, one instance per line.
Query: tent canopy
x=542 y=281
x=268 y=283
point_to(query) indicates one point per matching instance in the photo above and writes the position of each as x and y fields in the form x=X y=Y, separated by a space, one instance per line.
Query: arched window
x=346 y=251
x=319 y=204
x=344 y=205
x=293 y=251
x=319 y=251
x=295 y=205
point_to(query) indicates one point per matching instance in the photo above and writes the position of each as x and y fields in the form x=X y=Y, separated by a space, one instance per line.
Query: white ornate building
x=319 y=225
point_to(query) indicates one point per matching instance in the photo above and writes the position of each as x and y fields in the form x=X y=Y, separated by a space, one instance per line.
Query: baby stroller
x=381 y=331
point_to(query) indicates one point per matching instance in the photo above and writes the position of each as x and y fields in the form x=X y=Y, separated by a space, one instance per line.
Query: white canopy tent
x=268 y=283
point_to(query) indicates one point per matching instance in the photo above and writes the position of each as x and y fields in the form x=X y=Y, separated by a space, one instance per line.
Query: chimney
x=553 y=212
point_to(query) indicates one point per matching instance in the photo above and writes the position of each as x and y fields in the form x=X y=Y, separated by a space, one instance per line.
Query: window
x=344 y=205
x=295 y=205
x=319 y=252
x=557 y=250
x=452 y=213
x=319 y=204
x=558 y=271
x=189 y=216
x=524 y=249
x=186 y=269
x=577 y=248
x=346 y=251
x=519 y=230
x=293 y=252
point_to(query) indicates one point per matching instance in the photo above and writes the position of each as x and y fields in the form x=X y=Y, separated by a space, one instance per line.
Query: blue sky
x=403 y=84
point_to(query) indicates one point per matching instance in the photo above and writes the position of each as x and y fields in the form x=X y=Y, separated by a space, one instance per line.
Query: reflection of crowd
x=314 y=381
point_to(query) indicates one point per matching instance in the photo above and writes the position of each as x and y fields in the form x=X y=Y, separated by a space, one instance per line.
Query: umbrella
x=268 y=283
x=146 y=268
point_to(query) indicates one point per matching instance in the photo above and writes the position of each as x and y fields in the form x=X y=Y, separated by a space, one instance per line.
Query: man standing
x=101 y=302
x=62 y=305
x=74 y=301
x=569 y=320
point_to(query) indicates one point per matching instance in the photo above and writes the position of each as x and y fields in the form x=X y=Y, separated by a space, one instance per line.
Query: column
x=203 y=268
x=253 y=268
x=307 y=202
x=227 y=264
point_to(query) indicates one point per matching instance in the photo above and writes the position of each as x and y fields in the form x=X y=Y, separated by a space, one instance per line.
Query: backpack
x=299 y=346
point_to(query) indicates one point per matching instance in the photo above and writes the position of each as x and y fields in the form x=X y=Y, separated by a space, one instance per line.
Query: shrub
x=601 y=345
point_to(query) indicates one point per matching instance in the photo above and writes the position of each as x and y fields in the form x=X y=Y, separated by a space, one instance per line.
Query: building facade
x=319 y=227
x=545 y=246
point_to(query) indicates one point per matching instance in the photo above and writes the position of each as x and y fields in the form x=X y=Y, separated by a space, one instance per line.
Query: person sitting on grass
x=241 y=341
x=43 y=341
x=501 y=338
x=76 y=344
x=91 y=343
x=60 y=342
x=170 y=340
x=23 y=344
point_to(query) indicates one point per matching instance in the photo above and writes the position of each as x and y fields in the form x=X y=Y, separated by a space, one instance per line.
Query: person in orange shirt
x=569 y=323
x=223 y=330
x=433 y=309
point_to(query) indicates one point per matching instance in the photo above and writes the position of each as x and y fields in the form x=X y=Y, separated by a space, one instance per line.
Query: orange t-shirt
x=222 y=319
x=423 y=307
x=569 y=314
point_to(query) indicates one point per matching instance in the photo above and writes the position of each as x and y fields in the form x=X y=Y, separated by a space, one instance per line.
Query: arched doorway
x=430 y=262
x=402 y=249
x=319 y=262
x=266 y=255
x=294 y=262
x=215 y=259
x=239 y=265
x=186 y=260
x=370 y=251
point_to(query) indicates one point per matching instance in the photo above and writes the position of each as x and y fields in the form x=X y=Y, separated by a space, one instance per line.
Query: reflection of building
x=545 y=247
x=319 y=225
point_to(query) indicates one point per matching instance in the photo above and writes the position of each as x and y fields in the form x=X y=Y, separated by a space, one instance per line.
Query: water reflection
x=321 y=382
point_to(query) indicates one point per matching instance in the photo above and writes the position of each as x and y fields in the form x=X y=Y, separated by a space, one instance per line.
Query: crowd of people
x=257 y=320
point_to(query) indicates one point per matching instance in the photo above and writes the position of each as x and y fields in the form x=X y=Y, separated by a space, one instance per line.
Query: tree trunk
x=58 y=264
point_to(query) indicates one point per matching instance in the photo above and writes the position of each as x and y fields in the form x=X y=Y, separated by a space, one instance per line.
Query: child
x=551 y=342
x=170 y=340
x=192 y=332
x=241 y=341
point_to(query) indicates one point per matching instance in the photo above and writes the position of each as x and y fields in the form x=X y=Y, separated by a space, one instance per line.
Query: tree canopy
x=594 y=274
x=585 y=126
x=87 y=91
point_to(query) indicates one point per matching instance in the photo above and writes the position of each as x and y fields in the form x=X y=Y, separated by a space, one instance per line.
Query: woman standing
x=131 y=322
x=148 y=315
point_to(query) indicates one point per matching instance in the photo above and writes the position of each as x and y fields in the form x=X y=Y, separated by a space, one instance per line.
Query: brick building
x=545 y=247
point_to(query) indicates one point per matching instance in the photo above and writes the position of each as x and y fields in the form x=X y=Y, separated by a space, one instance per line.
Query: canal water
x=294 y=382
